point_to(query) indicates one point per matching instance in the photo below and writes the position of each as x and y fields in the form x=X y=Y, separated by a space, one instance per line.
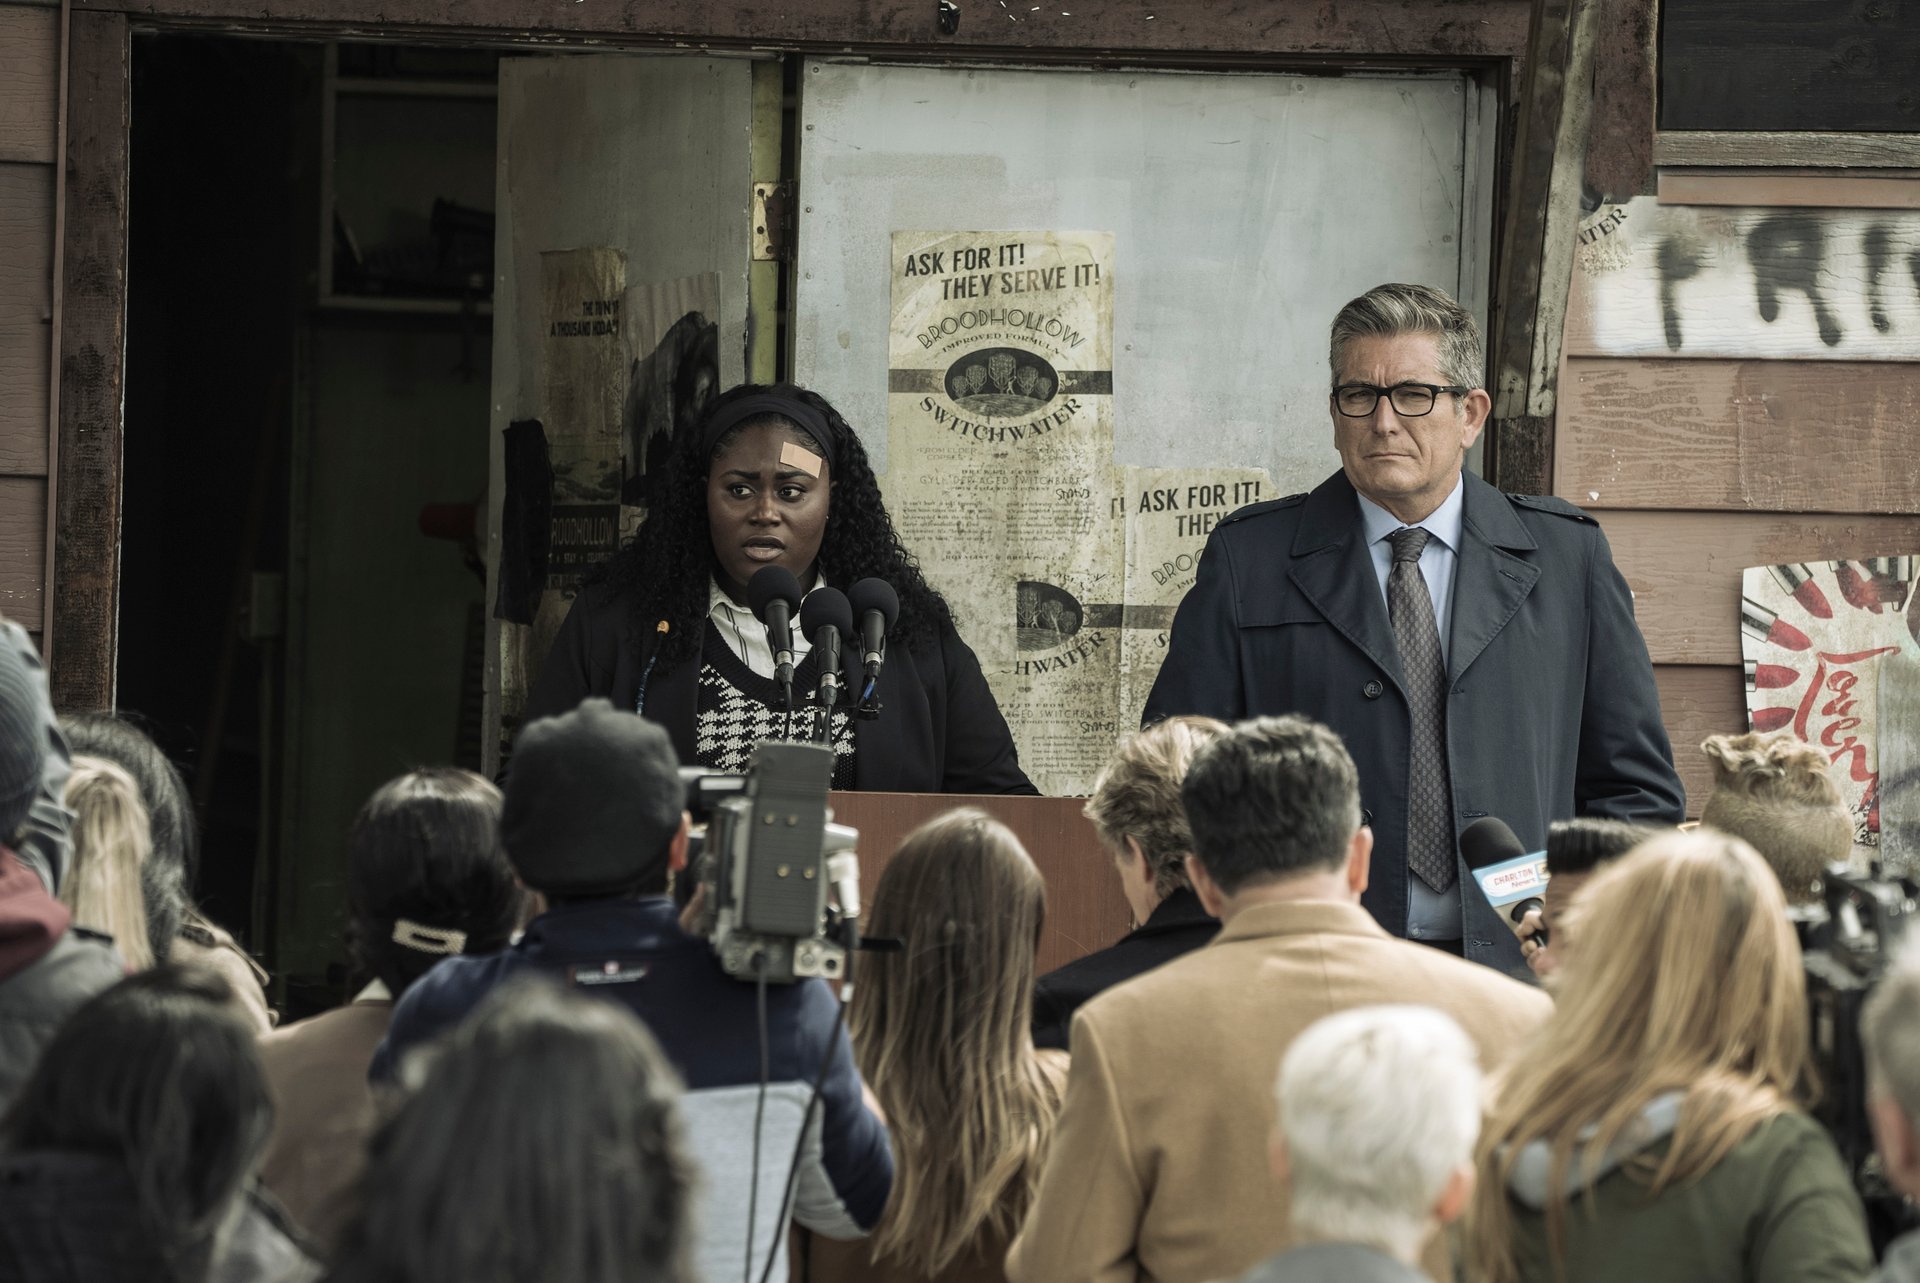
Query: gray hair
x=1378 y=1106
x=1386 y=311
x=1890 y=1034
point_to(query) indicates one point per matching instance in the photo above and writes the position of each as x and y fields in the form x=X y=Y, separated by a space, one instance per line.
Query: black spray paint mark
x=1878 y=247
x=1678 y=260
x=1786 y=252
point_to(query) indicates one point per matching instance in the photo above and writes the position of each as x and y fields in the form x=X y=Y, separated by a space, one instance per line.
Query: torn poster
x=1062 y=569
x=1814 y=636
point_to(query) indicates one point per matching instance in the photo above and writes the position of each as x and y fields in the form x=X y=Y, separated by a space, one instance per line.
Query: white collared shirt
x=1437 y=561
x=746 y=636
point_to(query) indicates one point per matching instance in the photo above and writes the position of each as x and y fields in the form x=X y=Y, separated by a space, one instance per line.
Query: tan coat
x=323 y=1111
x=1159 y=1165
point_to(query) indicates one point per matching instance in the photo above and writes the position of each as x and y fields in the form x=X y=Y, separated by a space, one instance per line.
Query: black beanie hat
x=593 y=798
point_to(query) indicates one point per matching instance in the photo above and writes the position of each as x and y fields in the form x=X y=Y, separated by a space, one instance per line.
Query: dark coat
x=1177 y=925
x=939 y=730
x=1552 y=712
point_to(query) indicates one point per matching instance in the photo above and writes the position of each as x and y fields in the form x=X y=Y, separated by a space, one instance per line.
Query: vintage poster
x=583 y=366
x=1000 y=436
x=673 y=344
x=1169 y=514
x=1816 y=637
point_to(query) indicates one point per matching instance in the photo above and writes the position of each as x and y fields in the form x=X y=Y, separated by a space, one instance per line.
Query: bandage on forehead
x=763 y=405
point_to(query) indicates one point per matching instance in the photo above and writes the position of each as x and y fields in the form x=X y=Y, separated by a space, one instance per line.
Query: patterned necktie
x=1431 y=850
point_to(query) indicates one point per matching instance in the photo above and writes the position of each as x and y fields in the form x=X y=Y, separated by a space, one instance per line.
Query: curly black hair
x=664 y=569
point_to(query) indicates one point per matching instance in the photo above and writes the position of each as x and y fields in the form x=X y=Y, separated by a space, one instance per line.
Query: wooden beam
x=1536 y=261
x=1406 y=31
x=92 y=364
x=1626 y=46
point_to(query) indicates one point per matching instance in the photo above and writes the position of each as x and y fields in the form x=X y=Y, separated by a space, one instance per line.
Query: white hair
x=1890 y=1034
x=1378 y=1107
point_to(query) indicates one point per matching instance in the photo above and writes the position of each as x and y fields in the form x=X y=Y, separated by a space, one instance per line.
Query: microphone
x=827 y=618
x=877 y=607
x=774 y=594
x=1509 y=875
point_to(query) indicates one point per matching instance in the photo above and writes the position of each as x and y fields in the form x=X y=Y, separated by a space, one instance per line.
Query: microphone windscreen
x=771 y=584
x=827 y=607
x=875 y=594
x=1488 y=841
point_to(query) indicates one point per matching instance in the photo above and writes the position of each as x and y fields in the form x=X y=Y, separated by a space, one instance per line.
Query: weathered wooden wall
x=29 y=130
x=1739 y=387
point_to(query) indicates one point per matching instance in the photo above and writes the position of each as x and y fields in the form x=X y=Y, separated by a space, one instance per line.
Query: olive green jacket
x=1778 y=1209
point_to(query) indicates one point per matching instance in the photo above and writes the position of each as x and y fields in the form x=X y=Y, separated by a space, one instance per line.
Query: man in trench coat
x=1540 y=703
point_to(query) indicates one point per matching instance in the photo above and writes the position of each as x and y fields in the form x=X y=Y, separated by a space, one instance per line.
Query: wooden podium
x=1085 y=910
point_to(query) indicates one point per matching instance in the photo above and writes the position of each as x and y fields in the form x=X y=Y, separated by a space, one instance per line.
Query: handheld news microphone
x=877 y=607
x=827 y=619
x=774 y=594
x=1502 y=867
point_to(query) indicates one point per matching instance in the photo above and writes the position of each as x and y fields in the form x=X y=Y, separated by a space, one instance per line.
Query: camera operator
x=1890 y=1036
x=594 y=819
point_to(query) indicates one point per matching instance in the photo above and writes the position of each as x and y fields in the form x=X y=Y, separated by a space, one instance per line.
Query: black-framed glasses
x=1409 y=400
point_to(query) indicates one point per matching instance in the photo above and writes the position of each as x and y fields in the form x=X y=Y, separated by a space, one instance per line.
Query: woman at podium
x=775 y=477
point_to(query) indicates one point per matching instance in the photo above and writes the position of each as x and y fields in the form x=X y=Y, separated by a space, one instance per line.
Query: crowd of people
x=547 y=1076
x=1320 y=1054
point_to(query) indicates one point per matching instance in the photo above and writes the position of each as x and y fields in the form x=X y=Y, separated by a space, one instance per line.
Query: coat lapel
x=1489 y=582
x=1333 y=569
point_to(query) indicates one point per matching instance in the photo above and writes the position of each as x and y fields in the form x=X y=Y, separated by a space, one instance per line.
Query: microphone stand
x=827 y=696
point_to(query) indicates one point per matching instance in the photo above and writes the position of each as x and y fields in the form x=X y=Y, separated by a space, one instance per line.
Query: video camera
x=765 y=862
x=1847 y=941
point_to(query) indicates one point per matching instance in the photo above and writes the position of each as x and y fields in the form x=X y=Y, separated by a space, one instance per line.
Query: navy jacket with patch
x=634 y=953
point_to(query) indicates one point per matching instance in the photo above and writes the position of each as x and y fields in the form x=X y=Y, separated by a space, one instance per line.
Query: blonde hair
x=941 y=1031
x=1777 y=793
x=1137 y=795
x=111 y=841
x=1682 y=974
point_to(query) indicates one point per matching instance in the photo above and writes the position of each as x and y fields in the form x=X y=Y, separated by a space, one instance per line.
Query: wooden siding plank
x=92 y=364
x=1684 y=567
x=1788 y=64
x=1696 y=701
x=1774 y=148
x=26 y=299
x=23 y=547
x=1778 y=436
x=1679 y=280
x=29 y=83
x=1401 y=31
x=1789 y=191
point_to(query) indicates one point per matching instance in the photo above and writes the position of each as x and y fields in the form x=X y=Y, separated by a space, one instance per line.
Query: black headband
x=760 y=405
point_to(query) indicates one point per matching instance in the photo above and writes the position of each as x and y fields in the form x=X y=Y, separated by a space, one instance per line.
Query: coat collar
x=1178 y=912
x=1299 y=918
x=1333 y=569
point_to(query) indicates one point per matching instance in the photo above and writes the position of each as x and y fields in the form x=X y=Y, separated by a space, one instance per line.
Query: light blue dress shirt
x=1431 y=915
